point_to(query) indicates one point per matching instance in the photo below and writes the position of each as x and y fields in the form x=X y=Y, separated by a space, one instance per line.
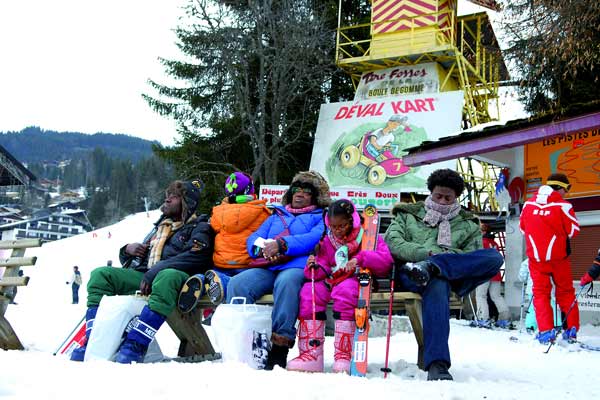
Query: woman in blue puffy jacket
x=285 y=239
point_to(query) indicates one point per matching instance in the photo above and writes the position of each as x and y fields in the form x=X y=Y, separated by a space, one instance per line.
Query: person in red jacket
x=548 y=223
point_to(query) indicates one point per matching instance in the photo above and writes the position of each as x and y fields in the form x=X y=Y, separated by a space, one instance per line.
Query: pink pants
x=344 y=295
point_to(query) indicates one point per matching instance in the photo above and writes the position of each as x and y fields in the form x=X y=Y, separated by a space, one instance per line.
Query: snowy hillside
x=486 y=364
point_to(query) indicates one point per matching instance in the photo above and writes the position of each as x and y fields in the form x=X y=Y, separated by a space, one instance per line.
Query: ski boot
x=570 y=335
x=139 y=337
x=503 y=324
x=78 y=354
x=546 y=337
x=190 y=293
x=216 y=285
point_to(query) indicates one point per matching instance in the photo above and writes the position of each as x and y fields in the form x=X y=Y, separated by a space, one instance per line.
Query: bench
x=9 y=283
x=195 y=342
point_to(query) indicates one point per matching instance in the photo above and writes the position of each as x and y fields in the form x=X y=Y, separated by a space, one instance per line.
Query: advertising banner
x=589 y=301
x=576 y=155
x=413 y=79
x=382 y=199
x=361 y=144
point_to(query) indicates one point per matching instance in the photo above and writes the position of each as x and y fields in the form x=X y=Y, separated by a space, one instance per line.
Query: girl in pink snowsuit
x=338 y=255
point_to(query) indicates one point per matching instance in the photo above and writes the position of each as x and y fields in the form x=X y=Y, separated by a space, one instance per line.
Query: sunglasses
x=301 y=190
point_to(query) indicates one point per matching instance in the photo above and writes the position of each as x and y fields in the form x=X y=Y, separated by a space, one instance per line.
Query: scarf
x=439 y=214
x=165 y=230
x=350 y=241
x=300 y=210
x=352 y=244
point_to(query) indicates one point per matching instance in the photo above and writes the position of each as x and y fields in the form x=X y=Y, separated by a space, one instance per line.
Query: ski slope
x=486 y=364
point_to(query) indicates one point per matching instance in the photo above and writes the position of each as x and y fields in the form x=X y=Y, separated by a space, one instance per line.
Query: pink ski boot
x=311 y=354
x=344 y=335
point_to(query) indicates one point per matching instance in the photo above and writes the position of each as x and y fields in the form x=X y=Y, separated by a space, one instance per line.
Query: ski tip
x=370 y=209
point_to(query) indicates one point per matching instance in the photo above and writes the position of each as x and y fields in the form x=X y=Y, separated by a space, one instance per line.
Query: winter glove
x=319 y=271
x=145 y=287
x=585 y=279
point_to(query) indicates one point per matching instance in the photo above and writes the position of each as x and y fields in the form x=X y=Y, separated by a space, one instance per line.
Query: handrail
x=345 y=43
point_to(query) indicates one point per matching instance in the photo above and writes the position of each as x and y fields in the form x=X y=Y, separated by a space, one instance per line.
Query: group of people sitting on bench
x=246 y=250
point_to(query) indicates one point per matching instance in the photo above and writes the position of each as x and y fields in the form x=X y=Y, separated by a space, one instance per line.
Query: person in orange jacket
x=237 y=217
x=548 y=223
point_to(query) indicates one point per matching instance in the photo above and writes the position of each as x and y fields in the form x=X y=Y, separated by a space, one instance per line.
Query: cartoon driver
x=381 y=140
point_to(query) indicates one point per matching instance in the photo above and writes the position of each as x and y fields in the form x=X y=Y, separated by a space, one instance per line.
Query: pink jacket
x=378 y=261
x=345 y=293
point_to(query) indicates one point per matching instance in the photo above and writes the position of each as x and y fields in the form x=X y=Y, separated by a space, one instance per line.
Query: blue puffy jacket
x=305 y=232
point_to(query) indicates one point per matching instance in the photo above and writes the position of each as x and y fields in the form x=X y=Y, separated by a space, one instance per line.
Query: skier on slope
x=548 y=223
x=338 y=254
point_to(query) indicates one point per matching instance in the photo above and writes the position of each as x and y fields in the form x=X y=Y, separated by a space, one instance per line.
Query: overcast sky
x=82 y=65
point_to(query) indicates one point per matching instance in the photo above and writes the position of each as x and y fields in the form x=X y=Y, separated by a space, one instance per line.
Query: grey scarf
x=441 y=214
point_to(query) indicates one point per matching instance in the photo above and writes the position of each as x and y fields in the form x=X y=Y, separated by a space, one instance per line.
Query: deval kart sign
x=361 y=144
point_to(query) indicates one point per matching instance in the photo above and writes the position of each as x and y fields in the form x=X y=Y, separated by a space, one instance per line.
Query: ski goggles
x=566 y=186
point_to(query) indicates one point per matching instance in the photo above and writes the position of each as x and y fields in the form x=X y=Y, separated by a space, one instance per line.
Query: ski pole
x=473 y=309
x=521 y=311
x=314 y=342
x=526 y=312
x=67 y=338
x=386 y=369
x=568 y=312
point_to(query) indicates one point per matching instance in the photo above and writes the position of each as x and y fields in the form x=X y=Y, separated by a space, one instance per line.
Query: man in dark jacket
x=180 y=245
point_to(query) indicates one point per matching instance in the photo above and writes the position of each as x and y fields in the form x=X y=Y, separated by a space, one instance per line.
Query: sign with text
x=412 y=79
x=361 y=144
x=576 y=155
x=382 y=199
x=589 y=301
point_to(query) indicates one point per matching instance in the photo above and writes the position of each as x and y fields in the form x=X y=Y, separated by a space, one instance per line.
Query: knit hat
x=239 y=183
x=190 y=192
x=314 y=179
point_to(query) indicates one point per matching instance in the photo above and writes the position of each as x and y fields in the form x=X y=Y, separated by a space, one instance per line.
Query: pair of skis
x=359 y=362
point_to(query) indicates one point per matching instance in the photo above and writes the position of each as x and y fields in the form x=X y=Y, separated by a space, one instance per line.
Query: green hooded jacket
x=411 y=240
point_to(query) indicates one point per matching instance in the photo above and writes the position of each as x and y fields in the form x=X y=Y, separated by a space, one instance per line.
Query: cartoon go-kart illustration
x=377 y=152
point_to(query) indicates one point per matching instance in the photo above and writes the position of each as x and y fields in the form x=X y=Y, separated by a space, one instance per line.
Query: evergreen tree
x=259 y=73
x=555 y=47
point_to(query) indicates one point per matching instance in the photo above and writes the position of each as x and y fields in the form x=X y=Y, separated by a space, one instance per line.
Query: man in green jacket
x=438 y=247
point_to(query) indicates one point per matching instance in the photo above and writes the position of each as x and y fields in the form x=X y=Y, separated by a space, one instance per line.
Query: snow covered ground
x=486 y=364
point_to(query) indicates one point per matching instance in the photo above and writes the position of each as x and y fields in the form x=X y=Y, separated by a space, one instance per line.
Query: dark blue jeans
x=75 y=288
x=285 y=286
x=460 y=273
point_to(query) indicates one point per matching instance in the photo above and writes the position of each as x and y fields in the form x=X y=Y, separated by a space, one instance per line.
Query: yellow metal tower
x=411 y=32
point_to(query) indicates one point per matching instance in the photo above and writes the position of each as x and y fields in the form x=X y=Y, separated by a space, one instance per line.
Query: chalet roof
x=576 y=118
x=42 y=218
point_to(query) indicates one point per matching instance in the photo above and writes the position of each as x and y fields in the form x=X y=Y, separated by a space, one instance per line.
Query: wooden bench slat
x=17 y=261
x=19 y=244
x=14 y=281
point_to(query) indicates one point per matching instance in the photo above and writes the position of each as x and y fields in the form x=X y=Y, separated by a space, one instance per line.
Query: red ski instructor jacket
x=548 y=222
